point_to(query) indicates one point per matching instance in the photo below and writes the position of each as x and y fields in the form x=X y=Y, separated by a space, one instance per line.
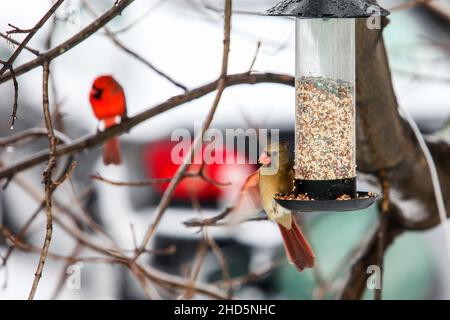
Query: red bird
x=108 y=102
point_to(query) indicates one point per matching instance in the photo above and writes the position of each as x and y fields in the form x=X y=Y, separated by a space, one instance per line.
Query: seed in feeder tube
x=325 y=129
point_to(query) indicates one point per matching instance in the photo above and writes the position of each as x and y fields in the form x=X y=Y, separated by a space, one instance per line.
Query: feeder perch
x=325 y=144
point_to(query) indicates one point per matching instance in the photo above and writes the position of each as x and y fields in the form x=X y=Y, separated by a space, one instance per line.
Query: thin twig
x=31 y=134
x=214 y=247
x=133 y=236
x=150 y=292
x=132 y=53
x=16 y=97
x=256 y=274
x=17 y=43
x=57 y=116
x=208 y=222
x=27 y=188
x=17 y=29
x=22 y=232
x=258 y=47
x=196 y=268
x=70 y=43
x=85 y=216
x=151 y=182
x=31 y=32
x=64 y=275
x=166 y=198
x=140 y=18
x=26 y=247
x=222 y=261
x=164 y=279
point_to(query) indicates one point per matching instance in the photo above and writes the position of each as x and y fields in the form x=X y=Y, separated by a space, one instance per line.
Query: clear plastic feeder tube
x=325 y=165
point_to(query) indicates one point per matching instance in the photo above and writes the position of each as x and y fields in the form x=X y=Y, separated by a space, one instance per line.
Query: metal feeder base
x=362 y=201
x=326 y=189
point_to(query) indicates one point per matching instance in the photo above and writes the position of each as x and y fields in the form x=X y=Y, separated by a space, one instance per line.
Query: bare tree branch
x=17 y=43
x=150 y=182
x=50 y=185
x=31 y=32
x=31 y=134
x=70 y=43
x=124 y=127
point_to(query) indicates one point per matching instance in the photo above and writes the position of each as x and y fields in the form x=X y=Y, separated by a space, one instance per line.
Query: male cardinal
x=107 y=99
x=275 y=176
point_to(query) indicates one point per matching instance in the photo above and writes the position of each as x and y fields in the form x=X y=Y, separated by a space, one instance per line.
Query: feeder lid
x=327 y=9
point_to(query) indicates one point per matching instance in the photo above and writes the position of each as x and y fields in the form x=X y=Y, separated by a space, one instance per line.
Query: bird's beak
x=264 y=159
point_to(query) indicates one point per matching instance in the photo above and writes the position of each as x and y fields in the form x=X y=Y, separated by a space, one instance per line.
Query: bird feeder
x=325 y=141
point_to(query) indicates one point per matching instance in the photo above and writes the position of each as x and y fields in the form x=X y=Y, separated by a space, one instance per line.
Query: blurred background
x=184 y=39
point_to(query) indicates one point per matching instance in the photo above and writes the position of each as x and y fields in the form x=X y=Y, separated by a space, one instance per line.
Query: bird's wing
x=248 y=203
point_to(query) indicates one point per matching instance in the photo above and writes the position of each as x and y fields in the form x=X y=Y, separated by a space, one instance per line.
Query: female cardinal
x=275 y=176
x=108 y=103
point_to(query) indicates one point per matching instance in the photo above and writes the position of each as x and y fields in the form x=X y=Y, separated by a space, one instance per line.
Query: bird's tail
x=298 y=250
x=111 y=152
x=111 y=149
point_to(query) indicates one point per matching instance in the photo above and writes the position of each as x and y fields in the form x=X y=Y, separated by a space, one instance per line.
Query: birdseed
x=306 y=197
x=293 y=196
x=325 y=129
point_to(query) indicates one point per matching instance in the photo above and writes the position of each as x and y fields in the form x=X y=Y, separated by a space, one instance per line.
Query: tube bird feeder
x=325 y=141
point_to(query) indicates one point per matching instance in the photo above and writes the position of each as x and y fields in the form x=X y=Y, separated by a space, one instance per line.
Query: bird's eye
x=97 y=93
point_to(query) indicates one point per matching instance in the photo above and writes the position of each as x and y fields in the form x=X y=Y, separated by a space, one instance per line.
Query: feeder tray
x=362 y=201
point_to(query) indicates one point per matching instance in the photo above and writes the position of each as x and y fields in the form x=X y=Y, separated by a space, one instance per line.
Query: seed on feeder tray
x=344 y=197
x=293 y=196
x=306 y=197
x=325 y=129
